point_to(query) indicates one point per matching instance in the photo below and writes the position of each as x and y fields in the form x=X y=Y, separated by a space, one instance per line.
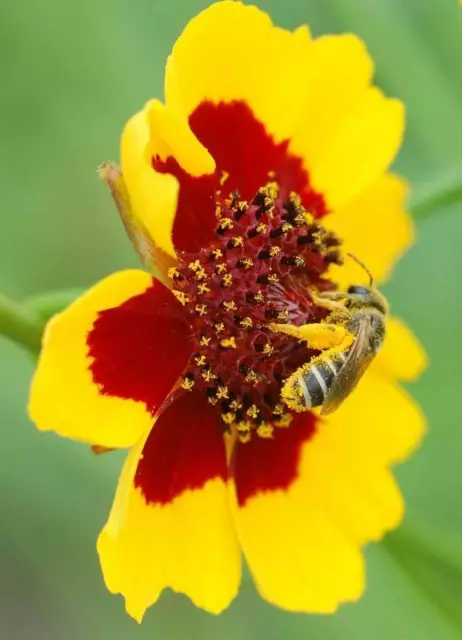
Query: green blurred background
x=72 y=73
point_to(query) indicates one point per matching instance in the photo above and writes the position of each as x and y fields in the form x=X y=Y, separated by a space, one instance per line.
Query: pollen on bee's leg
x=318 y=336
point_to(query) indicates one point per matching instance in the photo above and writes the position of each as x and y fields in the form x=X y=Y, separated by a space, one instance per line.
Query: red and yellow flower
x=268 y=160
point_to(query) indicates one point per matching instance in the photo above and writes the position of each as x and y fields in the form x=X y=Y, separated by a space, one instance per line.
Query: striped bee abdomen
x=316 y=381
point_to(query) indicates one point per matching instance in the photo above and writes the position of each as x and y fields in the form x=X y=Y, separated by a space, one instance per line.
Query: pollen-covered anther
x=200 y=360
x=222 y=393
x=251 y=376
x=227 y=280
x=236 y=242
x=265 y=430
x=208 y=375
x=205 y=341
x=230 y=305
x=246 y=323
x=217 y=253
x=173 y=273
x=222 y=268
x=187 y=384
x=226 y=224
x=235 y=405
x=202 y=288
x=229 y=417
x=268 y=349
x=219 y=327
x=181 y=296
x=201 y=309
x=228 y=343
x=253 y=412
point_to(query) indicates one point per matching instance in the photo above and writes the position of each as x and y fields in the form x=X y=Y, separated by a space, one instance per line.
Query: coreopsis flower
x=244 y=191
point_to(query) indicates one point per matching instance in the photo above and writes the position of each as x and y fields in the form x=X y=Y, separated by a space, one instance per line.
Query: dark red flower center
x=266 y=257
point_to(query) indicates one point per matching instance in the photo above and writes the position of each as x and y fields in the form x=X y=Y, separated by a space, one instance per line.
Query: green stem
x=46 y=305
x=442 y=192
x=20 y=324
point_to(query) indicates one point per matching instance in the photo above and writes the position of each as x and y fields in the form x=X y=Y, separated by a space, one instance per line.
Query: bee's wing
x=136 y=230
x=353 y=369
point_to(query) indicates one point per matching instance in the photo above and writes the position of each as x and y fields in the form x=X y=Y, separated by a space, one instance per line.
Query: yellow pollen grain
x=261 y=227
x=284 y=421
x=265 y=430
x=173 y=272
x=230 y=305
x=222 y=267
x=278 y=409
x=238 y=241
x=187 y=384
x=201 y=309
x=251 y=376
x=259 y=297
x=226 y=223
x=253 y=412
x=228 y=418
x=243 y=205
x=286 y=227
x=227 y=280
x=224 y=177
x=208 y=376
x=222 y=393
x=228 y=343
x=271 y=174
x=219 y=327
x=212 y=401
x=218 y=211
x=248 y=263
x=244 y=426
x=273 y=278
x=268 y=202
x=283 y=315
x=195 y=266
x=274 y=251
x=200 y=274
x=299 y=261
x=202 y=288
x=180 y=296
x=244 y=437
x=295 y=198
x=268 y=349
x=204 y=341
x=217 y=253
x=246 y=323
x=200 y=360
x=235 y=404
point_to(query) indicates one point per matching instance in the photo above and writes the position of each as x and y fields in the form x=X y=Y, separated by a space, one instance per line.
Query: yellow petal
x=159 y=131
x=362 y=149
x=166 y=531
x=402 y=357
x=374 y=227
x=233 y=52
x=66 y=397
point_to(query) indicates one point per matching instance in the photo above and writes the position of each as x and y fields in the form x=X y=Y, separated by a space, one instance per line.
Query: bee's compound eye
x=358 y=289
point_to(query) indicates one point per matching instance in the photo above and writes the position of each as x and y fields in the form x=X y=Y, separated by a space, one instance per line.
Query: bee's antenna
x=361 y=264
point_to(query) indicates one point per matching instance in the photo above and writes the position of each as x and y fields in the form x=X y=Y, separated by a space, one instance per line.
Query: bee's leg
x=330 y=300
x=319 y=336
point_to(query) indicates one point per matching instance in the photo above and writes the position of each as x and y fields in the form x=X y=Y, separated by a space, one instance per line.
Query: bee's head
x=362 y=296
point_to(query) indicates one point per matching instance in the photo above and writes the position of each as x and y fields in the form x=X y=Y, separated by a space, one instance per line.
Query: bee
x=330 y=377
